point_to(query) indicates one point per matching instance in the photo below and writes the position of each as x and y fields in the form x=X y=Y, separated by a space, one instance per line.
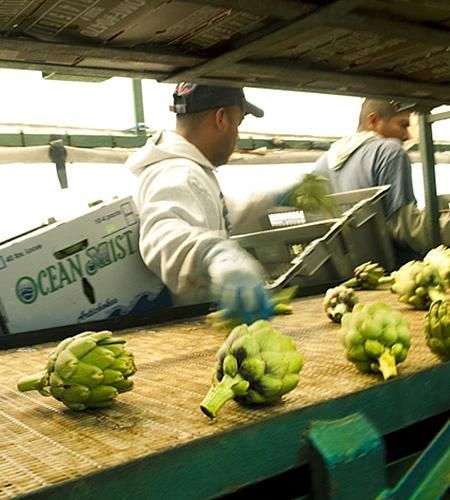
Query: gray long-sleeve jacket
x=367 y=159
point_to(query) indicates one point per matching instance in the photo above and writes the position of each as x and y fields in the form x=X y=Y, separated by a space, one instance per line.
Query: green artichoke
x=338 y=301
x=418 y=284
x=368 y=276
x=256 y=364
x=85 y=371
x=375 y=337
x=439 y=257
x=311 y=195
x=437 y=329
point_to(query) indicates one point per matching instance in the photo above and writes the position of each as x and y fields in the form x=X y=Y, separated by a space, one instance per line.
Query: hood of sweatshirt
x=165 y=145
x=341 y=150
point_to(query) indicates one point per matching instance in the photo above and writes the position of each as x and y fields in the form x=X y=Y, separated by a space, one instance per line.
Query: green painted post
x=347 y=459
x=429 y=177
x=138 y=107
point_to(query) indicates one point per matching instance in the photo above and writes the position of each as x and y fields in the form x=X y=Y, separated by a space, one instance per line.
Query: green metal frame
x=136 y=140
x=23 y=139
x=429 y=477
x=138 y=99
x=445 y=115
x=228 y=461
x=429 y=177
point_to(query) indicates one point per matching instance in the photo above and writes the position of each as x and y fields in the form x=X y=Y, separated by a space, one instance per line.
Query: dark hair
x=194 y=120
x=386 y=109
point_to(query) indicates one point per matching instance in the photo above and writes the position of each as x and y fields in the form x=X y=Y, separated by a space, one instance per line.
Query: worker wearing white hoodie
x=183 y=216
x=374 y=156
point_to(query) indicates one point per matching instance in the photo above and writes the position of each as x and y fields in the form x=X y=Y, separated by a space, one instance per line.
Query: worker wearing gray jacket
x=374 y=156
x=184 y=220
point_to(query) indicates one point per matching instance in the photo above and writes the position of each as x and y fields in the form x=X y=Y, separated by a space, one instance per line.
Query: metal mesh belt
x=42 y=442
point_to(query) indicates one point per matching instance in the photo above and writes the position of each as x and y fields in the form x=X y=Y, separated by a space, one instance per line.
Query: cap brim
x=251 y=109
x=407 y=107
x=403 y=106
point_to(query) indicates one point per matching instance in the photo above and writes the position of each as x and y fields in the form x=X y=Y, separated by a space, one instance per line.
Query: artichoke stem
x=351 y=283
x=218 y=395
x=282 y=308
x=387 y=365
x=285 y=296
x=386 y=279
x=34 y=382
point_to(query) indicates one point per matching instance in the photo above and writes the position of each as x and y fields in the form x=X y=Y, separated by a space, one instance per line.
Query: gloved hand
x=309 y=193
x=285 y=199
x=237 y=283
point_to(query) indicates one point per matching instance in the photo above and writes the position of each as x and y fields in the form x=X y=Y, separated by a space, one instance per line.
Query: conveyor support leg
x=347 y=459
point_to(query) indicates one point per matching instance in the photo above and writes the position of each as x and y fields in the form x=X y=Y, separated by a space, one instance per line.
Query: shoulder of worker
x=321 y=164
x=387 y=146
x=177 y=176
x=169 y=150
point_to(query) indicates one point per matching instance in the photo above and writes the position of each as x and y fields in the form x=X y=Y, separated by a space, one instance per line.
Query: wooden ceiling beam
x=393 y=29
x=373 y=92
x=437 y=5
x=424 y=104
x=282 y=9
x=420 y=89
x=317 y=18
x=302 y=79
x=62 y=69
x=156 y=55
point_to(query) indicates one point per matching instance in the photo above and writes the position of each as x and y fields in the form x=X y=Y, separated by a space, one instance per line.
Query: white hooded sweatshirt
x=181 y=212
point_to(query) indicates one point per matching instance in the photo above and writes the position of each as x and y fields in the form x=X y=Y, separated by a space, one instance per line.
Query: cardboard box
x=84 y=269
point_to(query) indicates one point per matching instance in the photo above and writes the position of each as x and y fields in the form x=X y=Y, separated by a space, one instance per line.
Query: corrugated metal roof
x=394 y=48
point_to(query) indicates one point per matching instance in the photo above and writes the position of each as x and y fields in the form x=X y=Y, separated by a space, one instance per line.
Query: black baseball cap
x=194 y=98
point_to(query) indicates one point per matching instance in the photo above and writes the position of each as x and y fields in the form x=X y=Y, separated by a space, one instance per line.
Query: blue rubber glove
x=237 y=284
x=285 y=199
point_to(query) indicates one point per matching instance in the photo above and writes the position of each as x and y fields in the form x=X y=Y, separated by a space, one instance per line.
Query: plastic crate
x=313 y=255
x=369 y=238
x=364 y=228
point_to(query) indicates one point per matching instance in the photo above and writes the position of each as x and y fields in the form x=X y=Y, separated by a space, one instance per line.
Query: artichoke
x=256 y=364
x=437 y=329
x=368 y=276
x=439 y=257
x=311 y=195
x=338 y=301
x=418 y=284
x=85 y=371
x=376 y=338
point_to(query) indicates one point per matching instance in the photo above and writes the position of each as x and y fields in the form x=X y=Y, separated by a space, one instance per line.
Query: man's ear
x=372 y=120
x=220 y=117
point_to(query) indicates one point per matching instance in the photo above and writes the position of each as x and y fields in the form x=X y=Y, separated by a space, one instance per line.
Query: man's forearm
x=410 y=227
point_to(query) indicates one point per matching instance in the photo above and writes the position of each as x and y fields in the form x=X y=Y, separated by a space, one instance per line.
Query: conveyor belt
x=44 y=443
